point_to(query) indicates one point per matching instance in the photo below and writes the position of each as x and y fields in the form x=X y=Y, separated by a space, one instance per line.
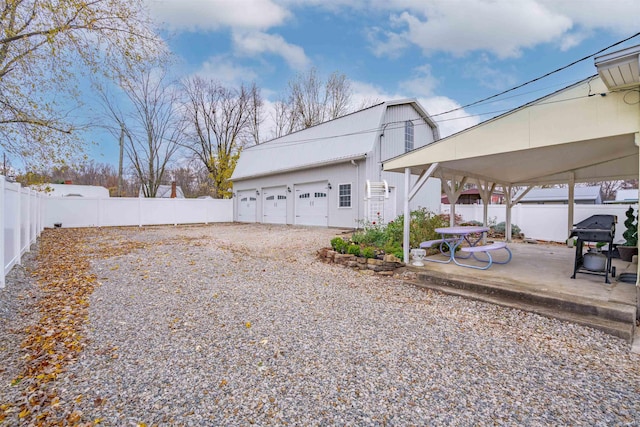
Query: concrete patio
x=538 y=279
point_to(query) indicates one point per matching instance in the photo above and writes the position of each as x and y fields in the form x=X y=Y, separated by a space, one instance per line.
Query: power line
x=400 y=125
x=537 y=78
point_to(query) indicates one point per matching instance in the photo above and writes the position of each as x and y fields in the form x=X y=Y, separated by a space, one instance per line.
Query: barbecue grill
x=595 y=229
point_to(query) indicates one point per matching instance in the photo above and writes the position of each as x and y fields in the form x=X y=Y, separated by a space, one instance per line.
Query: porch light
x=257 y=193
x=288 y=189
x=329 y=186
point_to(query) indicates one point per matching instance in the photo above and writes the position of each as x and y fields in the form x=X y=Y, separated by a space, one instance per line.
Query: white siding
x=387 y=143
x=334 y=174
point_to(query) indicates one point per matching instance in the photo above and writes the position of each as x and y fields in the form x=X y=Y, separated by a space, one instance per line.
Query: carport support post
x=571 y=201
x=407 y=215
x=410 y=193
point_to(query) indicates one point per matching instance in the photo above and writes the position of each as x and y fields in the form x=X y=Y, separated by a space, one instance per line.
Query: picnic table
x=454 y=239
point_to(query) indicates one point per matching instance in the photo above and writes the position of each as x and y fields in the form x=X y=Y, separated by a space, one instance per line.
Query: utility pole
x=120 y=164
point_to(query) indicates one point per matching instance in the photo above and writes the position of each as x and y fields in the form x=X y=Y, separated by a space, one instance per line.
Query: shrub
x=500 y=229
x=389 y=237
x=631 y=233
x=368 y=252
x=353 y=250
x=338 y=244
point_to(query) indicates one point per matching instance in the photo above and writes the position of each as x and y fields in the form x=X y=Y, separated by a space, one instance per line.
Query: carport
x=587 y=132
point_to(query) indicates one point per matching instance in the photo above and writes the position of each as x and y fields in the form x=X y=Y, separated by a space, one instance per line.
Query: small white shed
x=331 y=174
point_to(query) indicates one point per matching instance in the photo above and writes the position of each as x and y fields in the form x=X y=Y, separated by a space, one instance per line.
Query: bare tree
x=257 y=118
x=284 y=118
x=152 y=127
x=43 y=45
x=193 y=178
x=219 y=123
x=311 y=101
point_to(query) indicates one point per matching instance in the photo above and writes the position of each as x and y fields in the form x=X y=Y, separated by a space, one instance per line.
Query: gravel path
x=233 y=324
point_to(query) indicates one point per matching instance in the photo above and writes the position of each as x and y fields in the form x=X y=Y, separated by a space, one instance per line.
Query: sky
x=444 y=53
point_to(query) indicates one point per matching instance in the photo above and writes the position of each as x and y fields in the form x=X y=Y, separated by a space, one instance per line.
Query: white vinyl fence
x=122 y=211
x=21 y=222
x=24 y=213
x=544 y=222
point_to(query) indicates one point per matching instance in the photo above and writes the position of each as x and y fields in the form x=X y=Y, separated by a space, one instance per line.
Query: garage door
x=247 y=206
x=274 y=205
x=311 y=204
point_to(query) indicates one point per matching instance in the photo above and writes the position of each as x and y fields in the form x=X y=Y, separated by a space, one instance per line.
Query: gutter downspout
x=357 y=195
x=384 y=127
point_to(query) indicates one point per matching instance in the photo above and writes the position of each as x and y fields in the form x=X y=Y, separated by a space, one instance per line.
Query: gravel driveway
x=232 y=324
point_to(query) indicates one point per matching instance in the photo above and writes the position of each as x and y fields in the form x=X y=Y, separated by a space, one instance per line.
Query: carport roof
x=582 y=130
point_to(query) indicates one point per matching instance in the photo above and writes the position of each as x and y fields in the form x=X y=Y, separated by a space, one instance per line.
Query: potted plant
x=630 y=247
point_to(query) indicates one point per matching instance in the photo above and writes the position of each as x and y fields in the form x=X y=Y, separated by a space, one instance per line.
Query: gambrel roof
x=339 y=140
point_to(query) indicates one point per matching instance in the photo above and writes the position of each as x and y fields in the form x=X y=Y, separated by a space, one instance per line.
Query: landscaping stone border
x=383 y=267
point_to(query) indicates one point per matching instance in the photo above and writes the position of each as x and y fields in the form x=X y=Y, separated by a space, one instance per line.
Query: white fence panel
x=11 y=226
x=543 y=222
x=96 y=212
x=72 y=211
x=120 y=211
x=20 y=224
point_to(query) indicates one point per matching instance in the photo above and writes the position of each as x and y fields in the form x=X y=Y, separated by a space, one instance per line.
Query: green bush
x=353 y=250
x=499 y=228
x=368 y=252
x=389 y=237
x=339 y=245
x=631 y=233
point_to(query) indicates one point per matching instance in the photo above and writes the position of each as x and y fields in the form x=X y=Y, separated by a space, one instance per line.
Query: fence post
x=16 y=233
x=2 y=220
x=139 y=211
x=27 y=228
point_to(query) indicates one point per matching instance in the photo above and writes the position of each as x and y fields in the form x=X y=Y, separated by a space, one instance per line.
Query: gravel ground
x=233 y=324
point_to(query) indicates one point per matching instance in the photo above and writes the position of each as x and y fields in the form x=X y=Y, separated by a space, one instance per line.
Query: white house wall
x=391 y=144
x=343 y=173
x=428 y=197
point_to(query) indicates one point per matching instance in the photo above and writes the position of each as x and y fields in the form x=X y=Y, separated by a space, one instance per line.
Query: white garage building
x=331 y=174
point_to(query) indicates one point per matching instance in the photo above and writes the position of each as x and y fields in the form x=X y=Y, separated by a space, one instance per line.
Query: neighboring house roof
x=470 y=192
x=164 y=192
x=627 y=195
x=67 y=190
x=339 y=140
x=591 y=193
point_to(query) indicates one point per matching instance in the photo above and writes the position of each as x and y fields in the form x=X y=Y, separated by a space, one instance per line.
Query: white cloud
x=619 y=16
x=449 y=123
x=489 y=76
x=386 y=43
x=502 y=27
x=422 y=83
x=255 y=43
x=222 y=69
x=192 y=15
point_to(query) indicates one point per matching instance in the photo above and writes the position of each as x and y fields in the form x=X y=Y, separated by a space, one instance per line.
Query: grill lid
x=597 y=222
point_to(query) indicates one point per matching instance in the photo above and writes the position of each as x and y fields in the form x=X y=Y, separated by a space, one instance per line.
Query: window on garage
x=408 y=136
x=344 y=195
